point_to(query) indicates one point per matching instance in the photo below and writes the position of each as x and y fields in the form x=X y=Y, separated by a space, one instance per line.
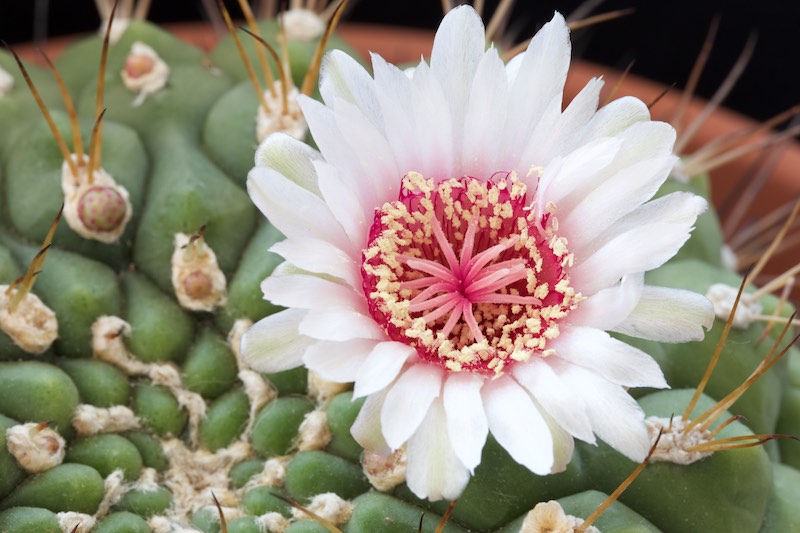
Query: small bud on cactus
x=97 y=209
x=198 y=281
x=101 y=208
x=144 y=72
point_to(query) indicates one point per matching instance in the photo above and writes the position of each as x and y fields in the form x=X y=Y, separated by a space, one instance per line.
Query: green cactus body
x=196 y=420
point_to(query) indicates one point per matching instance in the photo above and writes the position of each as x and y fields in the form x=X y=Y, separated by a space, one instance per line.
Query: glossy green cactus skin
x=183 y=155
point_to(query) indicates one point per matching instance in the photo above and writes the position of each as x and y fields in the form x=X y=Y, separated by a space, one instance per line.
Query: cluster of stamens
x=467 y=273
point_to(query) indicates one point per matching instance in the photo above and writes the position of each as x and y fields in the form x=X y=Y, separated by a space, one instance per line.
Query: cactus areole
x=463 y=246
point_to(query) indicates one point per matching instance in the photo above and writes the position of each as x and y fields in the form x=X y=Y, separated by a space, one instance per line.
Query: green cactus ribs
x=125 y=403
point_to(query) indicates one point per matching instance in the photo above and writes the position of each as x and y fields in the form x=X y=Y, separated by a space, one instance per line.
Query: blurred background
x=662 y=36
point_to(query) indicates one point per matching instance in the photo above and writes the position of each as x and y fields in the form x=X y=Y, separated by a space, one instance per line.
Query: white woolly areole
x=92 y=420
x=549 y=517
x=32 y=325
x=322 y=389
x=314 y=433
x=114 y=488
x=162 y=524
x=144 y=72
x=384 y=472
x=329 y=506
x=72 y=522
x=302 y=25
x=722 y=298
x=76 y=189
x=35 y=448
x=194 y=474
x=274 y=119
x=273 y=474
x=107 y=345
x=675 y=442
x=6 y=82
x=197 y=279
x=272 y=522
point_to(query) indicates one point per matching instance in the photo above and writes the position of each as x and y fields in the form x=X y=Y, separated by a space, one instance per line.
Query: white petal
x=367 y=427
x=669 y=315
x=466 y=419
x=457 y=50
x=320 y=257
x=334 y=145
x=575 y=173
x=342 y=78
x=640 y=241
x=309 y=292
x=539 y=76
x=393 y=90
x=616 y=417
x=614 y=360
x=563 y=443
x=408 y=401
x=557 y=136
x=338 y=361
x=642 y=165
x=607 y=308
x=485 y=118
x=434 y=471
x=381 y=367
x=518 y=425
x=273 y=344
x=295 y=211
x=375 y=156
x=291 y=158
x=345 y=204
x=556 y=399
x=340 y=324
x=436 y=151
x=613 y=118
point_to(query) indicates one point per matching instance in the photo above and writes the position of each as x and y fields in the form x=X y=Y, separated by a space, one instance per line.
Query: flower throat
x=467 y=273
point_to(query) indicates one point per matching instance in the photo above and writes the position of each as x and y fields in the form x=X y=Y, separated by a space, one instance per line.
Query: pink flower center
x=467 y=273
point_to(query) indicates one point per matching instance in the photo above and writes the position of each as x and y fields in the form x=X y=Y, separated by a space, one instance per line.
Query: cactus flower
x=459 y=247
